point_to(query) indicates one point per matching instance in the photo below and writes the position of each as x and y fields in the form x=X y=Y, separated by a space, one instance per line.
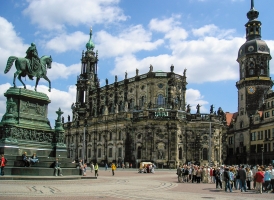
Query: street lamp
x=262 y=155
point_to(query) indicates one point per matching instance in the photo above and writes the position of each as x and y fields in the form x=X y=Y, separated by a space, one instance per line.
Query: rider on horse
x=32 y=56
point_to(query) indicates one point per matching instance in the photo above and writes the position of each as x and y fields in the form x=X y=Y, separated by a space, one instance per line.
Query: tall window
x=142 y=101
x=139 y=153
x=205 y=152
x=131 y=104
x=99 y=153
x=110 y=135
x=89 y=153
x=80 y=152
x=120 y=152
x=180 y=153
x=160 y=100
x=230 y=140
x=253 y=136
x=110 y=152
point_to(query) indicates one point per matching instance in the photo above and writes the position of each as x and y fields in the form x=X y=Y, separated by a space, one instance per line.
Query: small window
x=251 y=72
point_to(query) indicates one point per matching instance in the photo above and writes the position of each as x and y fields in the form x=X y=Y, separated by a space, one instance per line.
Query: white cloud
x=210 y=59
x=10 y=44
x=194 y=97
x=3 y=89
x=59 y=70
x=176 y=35
x=270 y=44
x=56 y=15
x=212 y=30
x=129 y=41
x=164 y=25
x=65 y=42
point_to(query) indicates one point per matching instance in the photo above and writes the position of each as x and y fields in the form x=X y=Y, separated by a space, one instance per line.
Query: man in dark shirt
x=242 y=175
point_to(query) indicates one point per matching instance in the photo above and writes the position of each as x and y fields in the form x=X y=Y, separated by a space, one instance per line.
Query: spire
x=90 y=45
x=252 y=4
x=253 y=26
x=253 y=13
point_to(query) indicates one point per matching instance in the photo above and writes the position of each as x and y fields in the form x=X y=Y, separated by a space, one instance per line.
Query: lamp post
x=262 y=155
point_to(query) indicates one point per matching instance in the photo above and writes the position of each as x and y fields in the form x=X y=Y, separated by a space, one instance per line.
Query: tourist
x=249 y=177
x=34 y=159
x=113 y=168
x=179 y=174
x=106 y=167
x=2 y=164
x=96 y=169
x=242 y=177
x=91 y=167
x=218 y=179
x=199 y=175
x=267 y=180
x=272 y=177
x=25 y=159
x=57 y=168
x=259 y=178
x=227 y=179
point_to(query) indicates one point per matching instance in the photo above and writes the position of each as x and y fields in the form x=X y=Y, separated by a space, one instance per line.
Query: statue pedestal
x=25 y=128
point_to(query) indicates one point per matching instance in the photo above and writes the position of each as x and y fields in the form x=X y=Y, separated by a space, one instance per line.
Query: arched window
x=180 y=153
x=120 y=106
x=142 y=101
x=139 y=153
x=205 y=154
x=216 y=156
x=160 y=100
x=131 y=104
x=110 y=135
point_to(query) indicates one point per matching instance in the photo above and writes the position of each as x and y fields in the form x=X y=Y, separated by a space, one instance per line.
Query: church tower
x=253 y=58
x=86 y=81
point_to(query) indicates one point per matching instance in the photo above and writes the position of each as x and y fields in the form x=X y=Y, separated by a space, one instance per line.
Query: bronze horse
x=23 y=68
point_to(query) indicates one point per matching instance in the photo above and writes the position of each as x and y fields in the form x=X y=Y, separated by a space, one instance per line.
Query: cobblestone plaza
x=126 y=184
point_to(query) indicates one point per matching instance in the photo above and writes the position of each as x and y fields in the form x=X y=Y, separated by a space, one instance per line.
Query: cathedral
x=140 y=118
x=146 y=117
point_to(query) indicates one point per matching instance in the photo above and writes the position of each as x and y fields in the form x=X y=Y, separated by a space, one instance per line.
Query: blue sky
x=202 y=36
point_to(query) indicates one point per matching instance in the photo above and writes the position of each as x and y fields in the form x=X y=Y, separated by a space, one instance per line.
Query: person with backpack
x=3 y=164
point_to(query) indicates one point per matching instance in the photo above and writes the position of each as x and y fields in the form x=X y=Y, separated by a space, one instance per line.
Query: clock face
x=251 y=90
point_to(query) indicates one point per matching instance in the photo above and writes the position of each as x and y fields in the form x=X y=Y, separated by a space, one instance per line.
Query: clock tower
x=253 y=58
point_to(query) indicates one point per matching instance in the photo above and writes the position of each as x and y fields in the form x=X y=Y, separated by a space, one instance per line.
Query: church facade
x=140 y=118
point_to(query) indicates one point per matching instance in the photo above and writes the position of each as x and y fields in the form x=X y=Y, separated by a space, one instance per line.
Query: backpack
x=6 y=161
x=186 y=172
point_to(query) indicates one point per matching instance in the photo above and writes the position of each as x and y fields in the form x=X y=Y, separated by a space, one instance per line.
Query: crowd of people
x=229 y=177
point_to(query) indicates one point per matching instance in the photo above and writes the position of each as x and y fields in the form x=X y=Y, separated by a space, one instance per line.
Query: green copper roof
x=90 y=45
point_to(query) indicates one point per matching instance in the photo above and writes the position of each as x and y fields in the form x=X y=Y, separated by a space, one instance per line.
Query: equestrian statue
x=31 y=66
